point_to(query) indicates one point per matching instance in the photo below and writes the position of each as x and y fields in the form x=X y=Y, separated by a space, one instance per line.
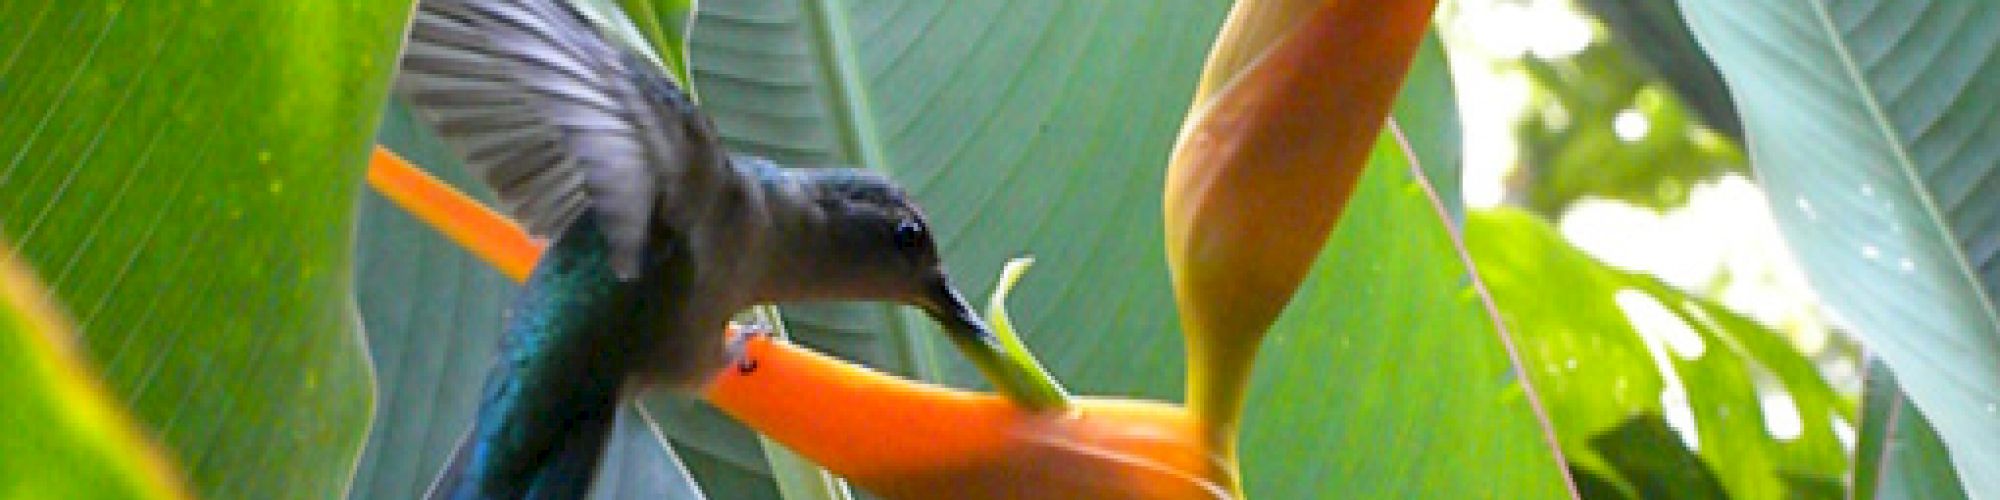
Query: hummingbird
x=658 y=234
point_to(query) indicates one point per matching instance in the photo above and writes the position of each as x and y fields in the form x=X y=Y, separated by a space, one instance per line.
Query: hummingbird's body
x=659 y=235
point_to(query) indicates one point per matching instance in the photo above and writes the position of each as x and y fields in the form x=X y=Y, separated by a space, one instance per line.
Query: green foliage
x=1599 y=342
x=432 y=313
x=1655 y=33
x=1386 y=377
x=183 y=175
x=1570 y=149
x=1427 y=113
x=1642 y=457
x=1871 y=125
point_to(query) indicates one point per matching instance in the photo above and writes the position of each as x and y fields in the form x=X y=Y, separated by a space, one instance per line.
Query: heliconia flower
x=1293 y=97
x=894 y=436
x=905 y=439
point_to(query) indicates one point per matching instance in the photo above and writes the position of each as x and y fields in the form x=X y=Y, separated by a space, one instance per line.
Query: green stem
x=1011 y=368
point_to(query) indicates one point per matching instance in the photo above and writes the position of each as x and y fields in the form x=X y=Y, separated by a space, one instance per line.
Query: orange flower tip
x=1105 y=448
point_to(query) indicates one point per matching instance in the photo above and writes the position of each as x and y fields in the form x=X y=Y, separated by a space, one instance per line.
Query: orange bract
x=1293 y=101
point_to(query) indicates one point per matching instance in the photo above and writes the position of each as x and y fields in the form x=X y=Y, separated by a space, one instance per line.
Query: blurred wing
x=557 y=119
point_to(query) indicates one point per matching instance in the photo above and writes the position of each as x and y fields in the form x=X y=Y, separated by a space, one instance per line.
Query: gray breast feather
x=557 y=119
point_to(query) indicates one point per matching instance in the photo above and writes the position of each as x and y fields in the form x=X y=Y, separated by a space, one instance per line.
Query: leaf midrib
x=1488 y=306
x=854 y=115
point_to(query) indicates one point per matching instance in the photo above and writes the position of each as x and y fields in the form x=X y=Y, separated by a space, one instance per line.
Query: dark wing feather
x=559 y=120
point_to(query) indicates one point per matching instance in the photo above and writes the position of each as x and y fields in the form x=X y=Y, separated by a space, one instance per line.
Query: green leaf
x=1871 y=124
x=1645 y=459
x=657 y=28
x=1898 y=456
x=1607 y=346
x=1016 y=126
x=1386 y=377
x=73 y=440
x=638 y=464
x=664 y=23
x=1427 y=110
x=434 y=315
x=1574 y=150
x=183 y=174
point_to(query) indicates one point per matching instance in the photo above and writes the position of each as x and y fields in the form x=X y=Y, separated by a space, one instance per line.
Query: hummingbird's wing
x=558 y=119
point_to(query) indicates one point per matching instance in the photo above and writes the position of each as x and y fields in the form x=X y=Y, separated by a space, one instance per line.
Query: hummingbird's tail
x=532 y=444
x=553 y=397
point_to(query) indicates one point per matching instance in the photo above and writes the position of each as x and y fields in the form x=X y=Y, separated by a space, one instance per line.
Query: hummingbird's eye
x=909 y=234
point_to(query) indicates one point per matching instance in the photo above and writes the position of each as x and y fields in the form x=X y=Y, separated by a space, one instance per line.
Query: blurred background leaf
x=1656 y=35
x=182 y=174
x=1641 y=457
x=1871 y=124
x=1605 y=125
x=71 y=439
x=1619 y=353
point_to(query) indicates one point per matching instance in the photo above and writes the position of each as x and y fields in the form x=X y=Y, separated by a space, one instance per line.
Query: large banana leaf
x=433 y=316
x=1872 y=124
x=182 y=174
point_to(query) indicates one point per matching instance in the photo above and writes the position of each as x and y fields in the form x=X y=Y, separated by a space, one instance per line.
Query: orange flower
x=905 y=439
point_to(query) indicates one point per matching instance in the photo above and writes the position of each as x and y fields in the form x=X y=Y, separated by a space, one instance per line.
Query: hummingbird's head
x=875 y=244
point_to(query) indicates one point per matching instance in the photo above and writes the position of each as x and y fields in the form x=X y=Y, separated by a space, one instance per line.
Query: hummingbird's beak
x=950 y=310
